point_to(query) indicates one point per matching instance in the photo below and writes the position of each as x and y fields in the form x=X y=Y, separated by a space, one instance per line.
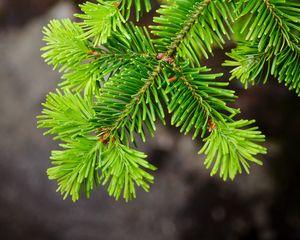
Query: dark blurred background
x=184 y=203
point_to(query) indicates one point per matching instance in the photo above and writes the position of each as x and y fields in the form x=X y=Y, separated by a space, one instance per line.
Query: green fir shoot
x=118 y=82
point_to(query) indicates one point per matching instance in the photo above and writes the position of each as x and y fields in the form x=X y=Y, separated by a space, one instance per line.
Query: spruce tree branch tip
x=118 y=81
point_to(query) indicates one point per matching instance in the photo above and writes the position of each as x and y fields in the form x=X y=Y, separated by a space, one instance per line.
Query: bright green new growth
x=228 y=159
x=123 y=168
x=272 y=39
x=117 y=81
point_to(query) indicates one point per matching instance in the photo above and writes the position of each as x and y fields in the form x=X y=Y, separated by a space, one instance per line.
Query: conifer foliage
x=118 y=79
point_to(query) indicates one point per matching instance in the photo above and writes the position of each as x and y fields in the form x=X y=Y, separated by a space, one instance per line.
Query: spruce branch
x=116 y=81
x=122 y=168
x=279 y=18
x=85 y=162
x=190 y=28
x=231 y=146
x=67 y=115
x=94 y=64
x=76 y=166
x=103 y=18
x=272 y=33
x=197 y=99
x=65 y=46
x=127 y=100
x=249 y=64
x=100 y=20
